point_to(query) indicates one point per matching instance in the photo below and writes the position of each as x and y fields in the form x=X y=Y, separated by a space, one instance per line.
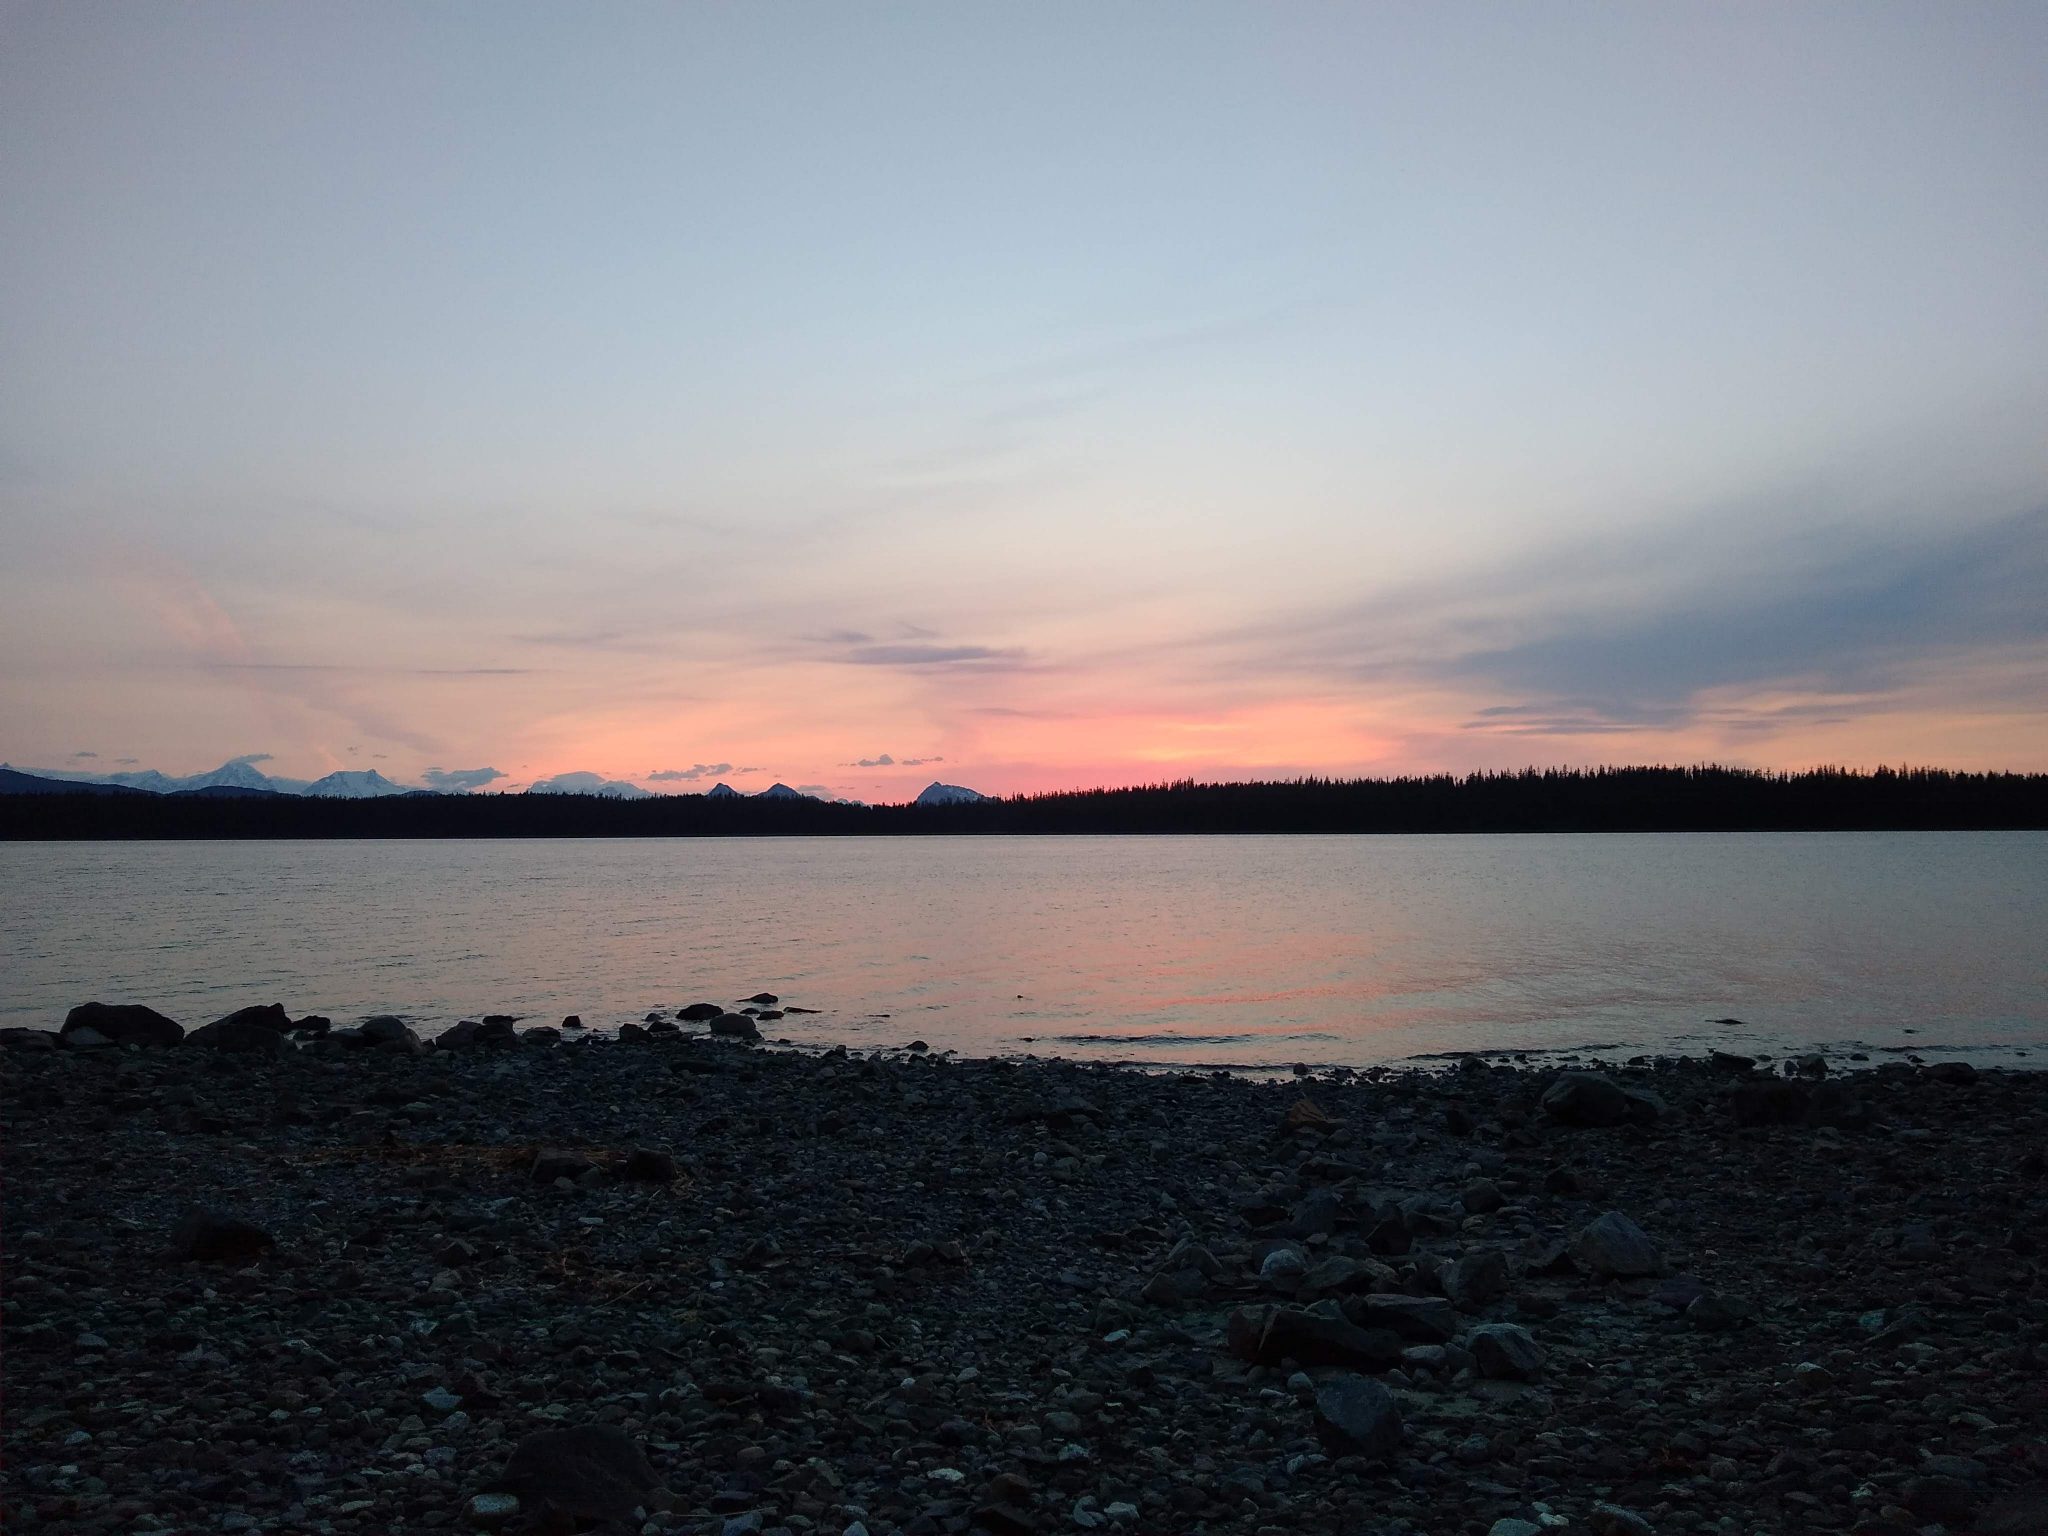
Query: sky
x=1024 y=397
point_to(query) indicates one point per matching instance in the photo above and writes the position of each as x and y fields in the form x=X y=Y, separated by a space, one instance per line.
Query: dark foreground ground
x=930 y=1296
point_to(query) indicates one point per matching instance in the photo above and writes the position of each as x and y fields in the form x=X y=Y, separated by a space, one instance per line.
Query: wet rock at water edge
x=212 y=1237
x=1594 y=1099
x=575 y=1021
x=122 y=1024
x=388 y=1032
x=585 y=1472
x=735 y=1026
x=699 y=1013
x=21 y=1038
x=540 y=1034
x=765 y=999
x=250 y=1032
x=1356 y=1416
x=1613 y=1246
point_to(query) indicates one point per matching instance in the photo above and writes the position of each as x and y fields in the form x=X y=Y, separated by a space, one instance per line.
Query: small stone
x=441 y=1400
x=1809 y=1377
x=1482 y=1197
x=488 y=1511
x=1614 y=1245
x=1613 y=1520
x=1356 y=1416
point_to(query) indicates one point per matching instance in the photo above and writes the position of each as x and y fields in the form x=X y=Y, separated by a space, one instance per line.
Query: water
x=1244 y=951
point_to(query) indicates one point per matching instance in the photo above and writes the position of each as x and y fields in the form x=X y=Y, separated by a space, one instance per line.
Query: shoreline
x=920 y=1293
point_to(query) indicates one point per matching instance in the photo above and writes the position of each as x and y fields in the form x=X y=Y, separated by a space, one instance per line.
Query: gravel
x=681 y=1284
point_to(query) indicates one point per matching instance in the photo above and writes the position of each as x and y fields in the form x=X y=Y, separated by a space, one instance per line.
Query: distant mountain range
x=240 y=777
x=237 y=776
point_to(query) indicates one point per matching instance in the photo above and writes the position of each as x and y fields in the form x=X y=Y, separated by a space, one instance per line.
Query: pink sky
x=1058 y=398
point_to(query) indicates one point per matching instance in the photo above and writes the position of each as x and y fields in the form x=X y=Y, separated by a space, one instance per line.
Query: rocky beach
x=273 y=1275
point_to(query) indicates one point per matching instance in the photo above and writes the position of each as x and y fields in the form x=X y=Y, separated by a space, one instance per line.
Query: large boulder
x=249 y=1032
x=122 y=1024
x=1356 y=1416
x=1612 y=1245
x=1476 y=1280
x=736 y=1026
x=1420 y=1319
x=1595 y=1099
x=388 y=1032
x=1312 y=1338
x=270 y=1016
x=700 y=1013
x=585 y=1472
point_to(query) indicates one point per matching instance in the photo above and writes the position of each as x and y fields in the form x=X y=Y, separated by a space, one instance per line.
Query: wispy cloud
x=347 y=667
x=1632 y=635
x=76 y=755
x=931 y=656
x=690 y=774
x=458 y=781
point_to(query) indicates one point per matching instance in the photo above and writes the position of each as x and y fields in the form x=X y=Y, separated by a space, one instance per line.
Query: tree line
x=1627 y=799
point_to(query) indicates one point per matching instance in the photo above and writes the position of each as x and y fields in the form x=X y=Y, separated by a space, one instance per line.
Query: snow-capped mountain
x=237 y=773
x=936 y=793
x=353 y=784
x=234 y=775
x=783 y=792
x=589 y=784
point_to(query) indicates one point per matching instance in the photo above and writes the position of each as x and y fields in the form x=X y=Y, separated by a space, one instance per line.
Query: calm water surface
x=1228 y=950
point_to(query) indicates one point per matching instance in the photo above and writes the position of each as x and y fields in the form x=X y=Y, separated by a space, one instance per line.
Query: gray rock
x=1312 y=1339
x=1476 y=1280
x=211 y=1237
x=1505 y=1352
x=1613 y=1520
x=488 y=1511
x=541 y=1034
x=242 y=1034
x=1283 y=1266
x=552 y=1163
x=1612 y=1245
x=1594 y=1099
x=735 y=1026
x=387 y=1032
x=700 y=1013
x=1356 y=1416
x=647 y=1166
x=588 y=1471
x=1482 y=1197
x=1421 y=1319
x=122 y=1024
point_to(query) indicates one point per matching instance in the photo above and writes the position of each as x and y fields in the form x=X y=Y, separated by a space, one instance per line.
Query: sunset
x=1238 y=768
x=1338 y=392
